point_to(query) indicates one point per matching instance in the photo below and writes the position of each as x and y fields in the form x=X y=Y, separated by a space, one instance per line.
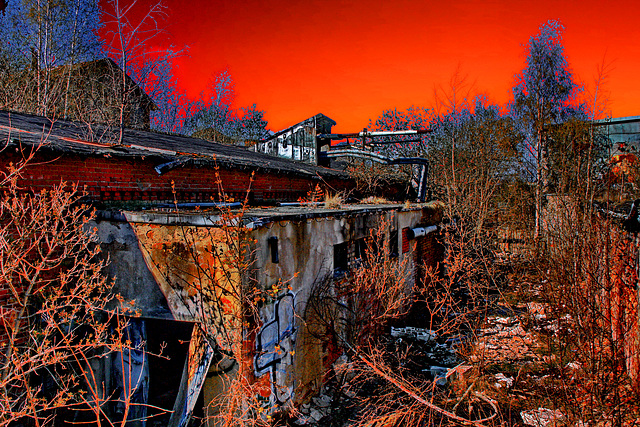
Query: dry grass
x=333 y=201
x=374 y=200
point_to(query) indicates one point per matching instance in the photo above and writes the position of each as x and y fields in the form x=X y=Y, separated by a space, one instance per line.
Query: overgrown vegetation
x=532 y=249
x=535 y=254
x=56 y=60
x=58 y=316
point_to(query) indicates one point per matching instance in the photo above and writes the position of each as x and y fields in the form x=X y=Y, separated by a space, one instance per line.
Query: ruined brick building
x=146 y=188
x=152 y=167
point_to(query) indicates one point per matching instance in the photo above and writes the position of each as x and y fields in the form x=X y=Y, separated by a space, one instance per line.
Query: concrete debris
x=505 y=320
x=454 y=341
x=439 y=374
x=573 y=370
x=312 y=414
x=553 y=326
x=541 y=417
x=304 y=420
x=425 y=336
x=419 y=334
x=503 y=381
x=305 y=408
x=321 y=406
x=317 y=415
x=322 y=401
x=574 y=366
x=505 y=339
x=341 y=361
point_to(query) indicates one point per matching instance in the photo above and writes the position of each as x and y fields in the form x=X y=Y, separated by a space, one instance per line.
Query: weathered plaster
x=167 y=265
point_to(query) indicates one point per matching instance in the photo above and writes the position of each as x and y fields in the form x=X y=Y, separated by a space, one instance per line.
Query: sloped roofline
x=318 y=117
x=165 y=151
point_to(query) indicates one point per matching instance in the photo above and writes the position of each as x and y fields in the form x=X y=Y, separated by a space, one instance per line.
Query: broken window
x=393 y=244
x=360 y=250
x=349 y=255
x=299 y=137
x=340 y=259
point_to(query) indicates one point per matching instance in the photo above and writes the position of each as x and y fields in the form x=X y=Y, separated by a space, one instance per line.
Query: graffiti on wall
x=275 y=347
x=177 y=264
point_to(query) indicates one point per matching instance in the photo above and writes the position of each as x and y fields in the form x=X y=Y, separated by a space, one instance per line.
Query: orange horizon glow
x=352 y=60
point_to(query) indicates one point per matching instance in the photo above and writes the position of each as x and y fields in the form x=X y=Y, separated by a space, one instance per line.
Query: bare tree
x=128 y=36
x=42 y=37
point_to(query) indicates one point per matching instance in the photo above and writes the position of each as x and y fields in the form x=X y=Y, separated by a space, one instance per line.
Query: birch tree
x=543 y=97
x=37 y=37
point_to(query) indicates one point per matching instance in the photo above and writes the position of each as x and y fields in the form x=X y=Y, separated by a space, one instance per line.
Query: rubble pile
x=432 y=357
x=509 y=337
x=315 y=411
x=542 y=417
x=504 y=339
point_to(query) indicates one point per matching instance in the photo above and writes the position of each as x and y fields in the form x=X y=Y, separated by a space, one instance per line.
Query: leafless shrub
x=374 y=179
x=362 y=302
x=352 y=315
x=56 y=306
x=592 y=275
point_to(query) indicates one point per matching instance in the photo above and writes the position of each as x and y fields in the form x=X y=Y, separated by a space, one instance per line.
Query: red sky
x=351 y=59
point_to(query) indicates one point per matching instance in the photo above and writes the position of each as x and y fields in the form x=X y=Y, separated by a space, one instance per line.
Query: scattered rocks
x=573 y=366
x=313 y=412
x=322 y=401
x=425 y=335
x=439 y=374
x=503 y=381
x=304 y=420
x=505 y=321
x=541 y=417
x=504 y=340
x=316 y=414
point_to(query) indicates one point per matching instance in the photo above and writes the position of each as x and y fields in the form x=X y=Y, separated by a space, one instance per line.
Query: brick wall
x=429 y=252
x=119 y=179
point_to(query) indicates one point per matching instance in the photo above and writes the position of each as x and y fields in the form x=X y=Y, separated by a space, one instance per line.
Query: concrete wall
x=166 y=266
x=306 y=256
